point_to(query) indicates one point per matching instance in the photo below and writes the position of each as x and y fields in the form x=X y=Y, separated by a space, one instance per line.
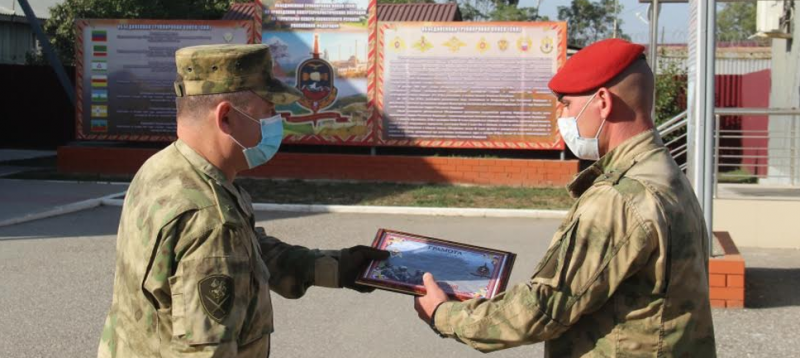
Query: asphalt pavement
x=57 y=277
x=25 y=197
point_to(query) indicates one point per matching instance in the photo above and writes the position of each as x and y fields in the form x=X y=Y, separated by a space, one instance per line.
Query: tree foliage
x=61 y=24
x=406 y=1
x=736 y=21
x=509 y=12
x=670 y=92
x=589 y=21
x=497 y=10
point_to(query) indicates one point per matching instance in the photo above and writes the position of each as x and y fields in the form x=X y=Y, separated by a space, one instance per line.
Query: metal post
x=696 y=95
x=716 y=154
x=372 y=151
x=563 y=155
x=793 y=150
x=701 y=104
x=710 y=98
x=49 y=52
x=616 y=14
x=655 y=9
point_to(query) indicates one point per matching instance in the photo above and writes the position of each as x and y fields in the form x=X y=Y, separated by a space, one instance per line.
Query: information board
x=323 y=49
x=469 y=85
x=126 y=70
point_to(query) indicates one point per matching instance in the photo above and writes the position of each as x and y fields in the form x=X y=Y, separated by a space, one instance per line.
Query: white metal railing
x=769 y=157
x=676 y=142
x=774 y=160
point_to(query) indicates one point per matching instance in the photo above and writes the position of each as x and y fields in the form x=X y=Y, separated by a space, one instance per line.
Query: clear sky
x=674 y=19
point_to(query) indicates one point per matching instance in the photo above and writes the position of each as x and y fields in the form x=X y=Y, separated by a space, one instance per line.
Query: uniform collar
x=199 y=162
x=203 y=166
x=616 y=162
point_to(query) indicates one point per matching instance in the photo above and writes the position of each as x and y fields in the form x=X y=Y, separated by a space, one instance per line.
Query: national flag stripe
x=99 y=111
x=99 y=81
x=100 y=50
x=99 y=66
x=99 y=35
x=99 y=95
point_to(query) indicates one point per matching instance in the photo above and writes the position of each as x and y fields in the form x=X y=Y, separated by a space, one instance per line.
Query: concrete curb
x=60 y=210
x=398 y=210
x=405 y=210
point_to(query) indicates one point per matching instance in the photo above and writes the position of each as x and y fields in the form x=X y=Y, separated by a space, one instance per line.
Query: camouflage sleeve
x=294 y=268
x=210 y=290
x=605 y=242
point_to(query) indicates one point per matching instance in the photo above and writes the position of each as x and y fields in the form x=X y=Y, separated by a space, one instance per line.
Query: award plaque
x=462 y=271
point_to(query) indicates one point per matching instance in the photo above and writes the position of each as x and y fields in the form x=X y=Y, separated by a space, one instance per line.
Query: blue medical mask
x=271 y=137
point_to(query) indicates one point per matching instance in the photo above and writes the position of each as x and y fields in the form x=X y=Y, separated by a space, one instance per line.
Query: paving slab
x=57 y=277
x=19 y=198
x=21 y=154
x=11 y=169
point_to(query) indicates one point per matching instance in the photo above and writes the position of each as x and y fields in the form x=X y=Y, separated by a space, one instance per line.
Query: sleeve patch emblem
x=216 y=296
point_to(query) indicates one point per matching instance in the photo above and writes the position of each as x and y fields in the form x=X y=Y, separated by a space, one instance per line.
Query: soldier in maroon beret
x=626 y=274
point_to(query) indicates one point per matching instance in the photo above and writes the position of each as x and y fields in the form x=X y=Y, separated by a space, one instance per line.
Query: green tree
x=497 y=10
x=510 y=12
x=670 y=92
x=589 y=21
x=406 y=1
x=61 y=24
x=736 y=21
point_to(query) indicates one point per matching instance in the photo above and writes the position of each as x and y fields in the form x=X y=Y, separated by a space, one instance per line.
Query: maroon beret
x=594 y=66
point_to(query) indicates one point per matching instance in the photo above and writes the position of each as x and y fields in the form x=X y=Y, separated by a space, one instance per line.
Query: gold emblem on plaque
x=483 y=45
x=398 y=44
x=502 y=44
x=423 y=44
x=454 y=44
x=524 y=43
x=547 y=45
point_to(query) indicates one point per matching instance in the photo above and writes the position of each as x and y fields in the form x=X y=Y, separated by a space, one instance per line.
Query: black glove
x=352 y=261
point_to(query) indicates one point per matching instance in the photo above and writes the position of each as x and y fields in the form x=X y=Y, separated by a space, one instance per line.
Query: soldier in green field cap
x=193 y=273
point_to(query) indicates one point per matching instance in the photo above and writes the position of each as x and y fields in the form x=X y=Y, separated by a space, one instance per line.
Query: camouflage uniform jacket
x=192 y=273
x=626 y=274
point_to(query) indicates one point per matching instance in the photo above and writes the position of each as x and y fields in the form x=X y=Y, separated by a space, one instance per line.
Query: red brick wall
x=95 y=160
x=514 y=172
x=726 y=275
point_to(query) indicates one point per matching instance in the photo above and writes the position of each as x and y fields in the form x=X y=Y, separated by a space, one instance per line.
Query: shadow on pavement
x=772 y=287
x=102 y=221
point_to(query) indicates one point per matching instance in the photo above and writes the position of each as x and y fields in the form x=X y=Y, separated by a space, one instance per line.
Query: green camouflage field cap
x=212 y=69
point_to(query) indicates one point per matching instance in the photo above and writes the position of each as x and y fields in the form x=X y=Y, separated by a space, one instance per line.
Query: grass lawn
x=348 y=193
x=389 y=194
x=738 y=176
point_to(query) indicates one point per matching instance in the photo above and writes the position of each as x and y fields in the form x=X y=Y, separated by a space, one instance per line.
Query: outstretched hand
x=353 y=260
x=435 y=296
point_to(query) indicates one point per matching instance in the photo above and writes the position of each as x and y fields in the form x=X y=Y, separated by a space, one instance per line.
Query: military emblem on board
x=547 y=45
x=398 y=44
x=315 y=78
x=216 y=296
x=423 y=45
x=524 y=43
x=454 y=44
x=502 y=44
x=483 y=45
